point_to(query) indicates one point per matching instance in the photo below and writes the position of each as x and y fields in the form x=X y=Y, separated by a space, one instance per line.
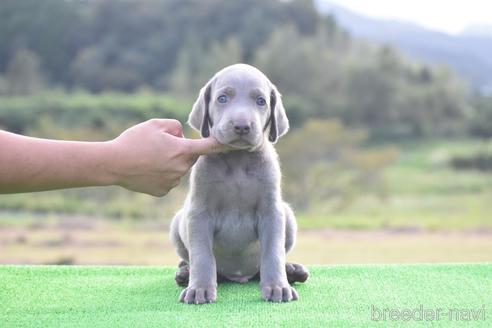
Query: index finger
x=204 y=146
x=170 y=126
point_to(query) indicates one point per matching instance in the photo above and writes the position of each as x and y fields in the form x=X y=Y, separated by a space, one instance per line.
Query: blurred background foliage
x=173 y=47
x=378 y=139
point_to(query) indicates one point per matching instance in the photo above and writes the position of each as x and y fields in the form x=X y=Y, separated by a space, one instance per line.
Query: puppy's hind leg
x=295 y=272
x=183 y=274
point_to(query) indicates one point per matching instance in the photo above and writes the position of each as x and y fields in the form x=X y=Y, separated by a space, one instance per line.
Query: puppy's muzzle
x=242 y=128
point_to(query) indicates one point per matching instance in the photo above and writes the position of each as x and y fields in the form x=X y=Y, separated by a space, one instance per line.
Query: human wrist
x=108 y=167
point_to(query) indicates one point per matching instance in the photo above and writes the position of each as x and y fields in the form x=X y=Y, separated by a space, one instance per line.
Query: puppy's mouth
x=235 y=142
x=240 y=144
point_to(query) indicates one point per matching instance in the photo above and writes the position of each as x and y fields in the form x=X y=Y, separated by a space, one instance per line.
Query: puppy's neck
x=259 y=164
x=261 y=153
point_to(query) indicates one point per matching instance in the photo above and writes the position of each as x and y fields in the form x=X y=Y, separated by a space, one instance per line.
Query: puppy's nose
x=242 y=128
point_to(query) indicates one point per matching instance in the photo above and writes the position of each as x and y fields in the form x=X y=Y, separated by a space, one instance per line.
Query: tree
x=219 y=56
x=23 y=75
x=481 y=122
x=52 y=29
x=196 y=65
x=185 y=80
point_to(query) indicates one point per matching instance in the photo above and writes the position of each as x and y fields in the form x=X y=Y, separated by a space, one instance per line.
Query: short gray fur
x=234 y=221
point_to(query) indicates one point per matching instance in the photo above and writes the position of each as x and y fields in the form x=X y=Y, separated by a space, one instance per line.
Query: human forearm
x=150 y=157
x=32 y=164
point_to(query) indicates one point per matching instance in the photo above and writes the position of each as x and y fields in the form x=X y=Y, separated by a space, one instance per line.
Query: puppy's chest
x=234 y=187
x=235 y=212
x=240 y=189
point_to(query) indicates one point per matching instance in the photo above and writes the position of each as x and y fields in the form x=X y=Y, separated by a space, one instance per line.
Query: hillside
x=468 y=53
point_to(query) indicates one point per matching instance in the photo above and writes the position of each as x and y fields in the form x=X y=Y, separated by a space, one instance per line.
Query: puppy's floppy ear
x=279 y=124
x=199 y=118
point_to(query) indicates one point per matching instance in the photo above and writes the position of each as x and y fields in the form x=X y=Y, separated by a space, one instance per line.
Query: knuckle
x=181 y=170
x=173 y=126
x=175 y=123
x=176 y=182
x=161 y=193
x=184 y=170
x=153 y=121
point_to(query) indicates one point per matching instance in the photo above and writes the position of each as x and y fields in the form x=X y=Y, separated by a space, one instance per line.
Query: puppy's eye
x=260 y=101
x=222 y=99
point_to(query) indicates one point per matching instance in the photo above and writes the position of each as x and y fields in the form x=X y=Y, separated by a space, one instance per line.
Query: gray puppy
x=234 y=224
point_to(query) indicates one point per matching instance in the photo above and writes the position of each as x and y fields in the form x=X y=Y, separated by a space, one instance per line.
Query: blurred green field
x=427 y=213
x=421 y=192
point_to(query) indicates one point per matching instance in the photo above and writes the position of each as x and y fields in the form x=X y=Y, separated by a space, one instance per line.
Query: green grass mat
x=61 y=296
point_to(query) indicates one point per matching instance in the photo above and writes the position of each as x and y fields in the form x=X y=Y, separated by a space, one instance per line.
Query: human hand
x=152 y=156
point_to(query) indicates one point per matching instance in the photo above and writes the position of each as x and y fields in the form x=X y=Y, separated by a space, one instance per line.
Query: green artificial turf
x=66 y=296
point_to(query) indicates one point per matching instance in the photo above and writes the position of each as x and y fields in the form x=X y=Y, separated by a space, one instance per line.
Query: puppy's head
x=240 y=107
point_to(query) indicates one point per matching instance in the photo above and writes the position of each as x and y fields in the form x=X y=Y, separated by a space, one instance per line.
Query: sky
x=450 y=16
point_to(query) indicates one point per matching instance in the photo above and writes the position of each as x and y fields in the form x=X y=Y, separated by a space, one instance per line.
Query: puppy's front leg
x=273 y=278
x=202 y=287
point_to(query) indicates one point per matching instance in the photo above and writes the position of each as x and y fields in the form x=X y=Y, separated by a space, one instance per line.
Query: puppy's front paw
x=198 y=295
x=277 y=292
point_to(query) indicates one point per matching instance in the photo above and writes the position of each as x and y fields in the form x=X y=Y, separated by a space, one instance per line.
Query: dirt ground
x=107 y=244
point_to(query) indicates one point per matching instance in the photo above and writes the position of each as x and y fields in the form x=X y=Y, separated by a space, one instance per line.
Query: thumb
x=169 y=126
x=204 y=146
